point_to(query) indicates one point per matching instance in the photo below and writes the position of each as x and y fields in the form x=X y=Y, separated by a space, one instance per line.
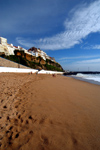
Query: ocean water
x=92 y=78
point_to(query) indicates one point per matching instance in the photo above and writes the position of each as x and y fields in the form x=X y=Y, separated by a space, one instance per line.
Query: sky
x=68 y=30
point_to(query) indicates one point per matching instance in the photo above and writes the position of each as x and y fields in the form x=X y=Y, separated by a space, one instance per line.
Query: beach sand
x=41 y=112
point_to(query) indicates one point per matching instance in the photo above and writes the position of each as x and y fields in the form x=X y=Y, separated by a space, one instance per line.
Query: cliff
x=33 y=62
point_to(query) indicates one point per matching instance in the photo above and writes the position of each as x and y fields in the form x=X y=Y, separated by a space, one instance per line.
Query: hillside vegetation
x=33 y=62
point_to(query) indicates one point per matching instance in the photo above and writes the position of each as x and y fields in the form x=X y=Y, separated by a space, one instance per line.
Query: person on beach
x=54 y=75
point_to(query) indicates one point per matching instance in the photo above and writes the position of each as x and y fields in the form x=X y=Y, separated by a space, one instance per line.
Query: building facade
x=37 y=52
x=8 y=49
x=3 y=41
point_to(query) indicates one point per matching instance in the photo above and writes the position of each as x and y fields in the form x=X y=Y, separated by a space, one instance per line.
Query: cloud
x=96 y=47
x=90 y=46
x=92 y=61
x=84 y=20
x=24 y=42
x=79 y=57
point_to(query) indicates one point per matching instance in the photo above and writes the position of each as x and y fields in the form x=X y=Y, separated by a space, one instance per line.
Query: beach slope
x=42 y=112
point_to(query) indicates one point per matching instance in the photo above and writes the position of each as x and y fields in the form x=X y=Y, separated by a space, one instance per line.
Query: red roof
x=15 y=46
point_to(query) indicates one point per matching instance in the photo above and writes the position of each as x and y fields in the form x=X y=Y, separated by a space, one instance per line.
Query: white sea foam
x=94 y=77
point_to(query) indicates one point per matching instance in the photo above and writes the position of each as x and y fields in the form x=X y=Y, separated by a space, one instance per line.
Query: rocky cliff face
x=34 y=62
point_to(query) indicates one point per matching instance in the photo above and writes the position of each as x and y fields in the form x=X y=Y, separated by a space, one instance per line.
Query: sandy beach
x=41 y=112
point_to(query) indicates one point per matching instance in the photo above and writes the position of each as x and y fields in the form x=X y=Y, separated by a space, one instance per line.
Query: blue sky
x=68 y=30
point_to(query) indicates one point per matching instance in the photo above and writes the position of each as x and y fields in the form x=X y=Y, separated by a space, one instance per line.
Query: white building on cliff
x=37 y=52
x=8 y=49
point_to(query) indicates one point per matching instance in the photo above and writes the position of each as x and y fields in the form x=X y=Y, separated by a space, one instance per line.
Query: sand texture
x=41 y=112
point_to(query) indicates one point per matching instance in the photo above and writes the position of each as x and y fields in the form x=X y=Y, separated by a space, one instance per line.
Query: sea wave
x=94 y=77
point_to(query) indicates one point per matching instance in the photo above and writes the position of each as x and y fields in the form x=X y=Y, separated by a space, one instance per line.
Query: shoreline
x=40 y=112
x=85 y=80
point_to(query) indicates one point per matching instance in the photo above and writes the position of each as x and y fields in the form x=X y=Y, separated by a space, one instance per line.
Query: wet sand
x=41 y=112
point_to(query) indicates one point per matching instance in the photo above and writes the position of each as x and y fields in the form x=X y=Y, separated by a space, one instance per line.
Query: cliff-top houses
x=8 y=49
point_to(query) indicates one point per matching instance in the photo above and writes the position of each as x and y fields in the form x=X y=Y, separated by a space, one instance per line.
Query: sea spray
x=88 y=77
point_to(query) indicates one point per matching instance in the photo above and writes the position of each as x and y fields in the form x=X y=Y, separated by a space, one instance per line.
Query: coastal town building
x=3 y=41
x=8 y=49
x=38 y=52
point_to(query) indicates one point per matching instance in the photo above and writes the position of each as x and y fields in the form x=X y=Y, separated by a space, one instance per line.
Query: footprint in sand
x=27 y=122
x=30 y=117
x=74 y=140
x=0 y=144
x=45 y=140
x=19 y=116
x=4 y=106
x=17 y=135
x=21 y=120
x=31 y=132
x=8 y=118
x=50 y=121
x=42 y=121
x=2 y=100
x=16 y=106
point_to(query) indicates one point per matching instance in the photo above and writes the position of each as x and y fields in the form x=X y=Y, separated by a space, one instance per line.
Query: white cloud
x=85 y=20
x=79 y=57
x=92 y=61
x=96 y=47
x=24 y=42
x=91 y=47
